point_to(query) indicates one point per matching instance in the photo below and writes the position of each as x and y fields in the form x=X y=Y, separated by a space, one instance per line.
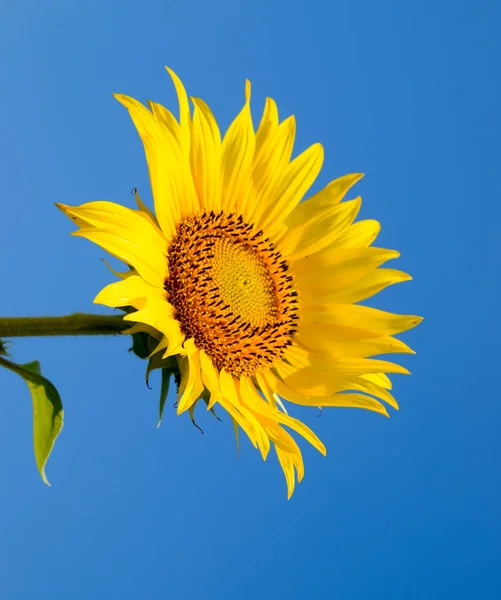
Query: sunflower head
x=252 y=291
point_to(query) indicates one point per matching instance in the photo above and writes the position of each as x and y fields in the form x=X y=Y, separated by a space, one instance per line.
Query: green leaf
x=140 y=345
x=47 y=415
x=157 y=362
x=235 y=427
x=47 y=410
x=164 y=391
x=169 y=367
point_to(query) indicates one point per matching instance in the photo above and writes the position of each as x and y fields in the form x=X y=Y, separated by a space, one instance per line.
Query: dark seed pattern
x=232 y=342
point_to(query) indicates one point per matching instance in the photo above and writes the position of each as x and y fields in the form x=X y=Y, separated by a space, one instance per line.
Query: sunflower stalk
x=75 y=324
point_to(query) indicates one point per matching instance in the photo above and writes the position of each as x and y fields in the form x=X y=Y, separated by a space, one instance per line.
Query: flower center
x=231 y=291
x=243 y=281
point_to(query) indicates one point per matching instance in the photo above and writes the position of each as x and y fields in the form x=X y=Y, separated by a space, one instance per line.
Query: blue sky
x=407 y=507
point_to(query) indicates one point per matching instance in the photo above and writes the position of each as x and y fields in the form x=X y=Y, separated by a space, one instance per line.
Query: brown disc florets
x=232 y=291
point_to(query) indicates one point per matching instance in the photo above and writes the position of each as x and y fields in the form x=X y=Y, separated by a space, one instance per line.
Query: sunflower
x=253 y=291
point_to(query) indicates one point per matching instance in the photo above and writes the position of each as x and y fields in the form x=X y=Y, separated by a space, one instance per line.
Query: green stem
x=75 y=324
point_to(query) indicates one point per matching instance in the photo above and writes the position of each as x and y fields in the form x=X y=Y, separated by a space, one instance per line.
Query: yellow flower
x=254 y=291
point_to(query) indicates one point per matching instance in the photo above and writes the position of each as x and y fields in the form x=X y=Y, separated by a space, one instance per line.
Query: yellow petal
x=184 y=110
x=170 y=174
x=368 y=286
x=210 y=377
x=297 y=180
x=288 y=469
x=130 y=235
x=114 y=217
x=320 y=380
x=271 y=161
x=363 y=385
x=318 y=232
x=238 y=418
x=361 y=234
x=237 y=154
x=253 y=399
x=297 y=356
x=230 y=391
x=206 y=156
x=163 y=346
x=191 y=378
x=379 y=379
x=148 y=262
x=326 y=377
x=327 y=339
x=370 y=319
x=360 y=366
x=132 y=291
x=159 y=314
x=265 y=388
x=330 y=274
x=290 y=458
x=325 y=199
x=348 y=260
x=304 y=431
x=166 y=119
x=357 y=401
x=268 y=124
x=142 y=328
x=334 y=400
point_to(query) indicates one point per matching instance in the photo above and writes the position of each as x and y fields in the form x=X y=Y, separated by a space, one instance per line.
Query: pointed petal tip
x=357 y=204
x=380 y=409
x=212 y=400
x=124 y=100
x=182 y=97
x=64 y=208
x=171 y=72
x=414 y=321
x=270 y=104
x=247 y=90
